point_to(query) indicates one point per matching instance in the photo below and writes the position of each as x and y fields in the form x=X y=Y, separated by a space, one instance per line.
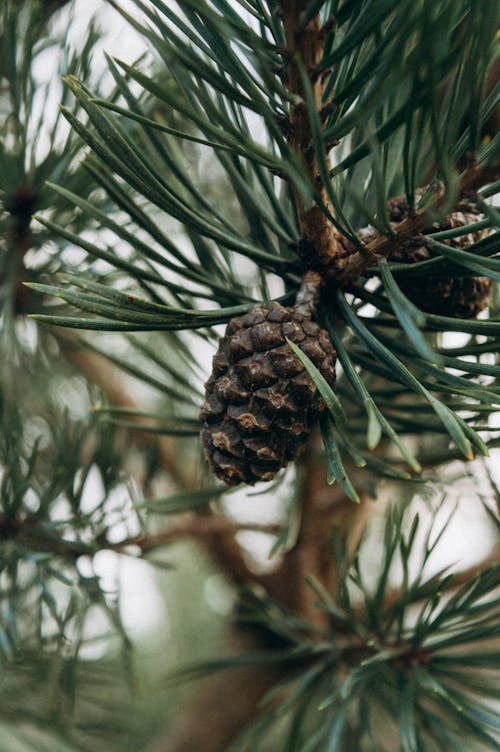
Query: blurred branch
x=322 y=507
x=224 y=703
x=36 y=534
x=196 y=527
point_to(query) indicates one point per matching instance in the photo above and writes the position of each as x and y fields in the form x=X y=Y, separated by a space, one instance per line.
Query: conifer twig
x=304 y=46
x=460 y=577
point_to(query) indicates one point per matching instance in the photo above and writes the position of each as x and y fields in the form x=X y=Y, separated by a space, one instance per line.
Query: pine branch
x=460 y=577
x=34 y=534
x=311 y=557
x=363 y=648
x=197 y=528
x=303 y=55
x=333 y=76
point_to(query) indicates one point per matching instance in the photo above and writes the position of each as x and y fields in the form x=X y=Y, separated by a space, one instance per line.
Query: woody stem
x=304 y=50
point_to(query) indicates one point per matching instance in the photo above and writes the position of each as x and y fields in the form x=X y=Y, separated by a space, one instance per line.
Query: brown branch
x=304 y=45
x=193 y=526
x=320 y=505
x=33 y=532
x=323 y=507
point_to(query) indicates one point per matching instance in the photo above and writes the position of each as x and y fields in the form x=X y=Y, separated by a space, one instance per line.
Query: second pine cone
x=458 y=297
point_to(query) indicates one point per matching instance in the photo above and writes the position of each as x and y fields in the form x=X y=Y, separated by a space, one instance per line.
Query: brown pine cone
x=458 y=297
x=261 y=403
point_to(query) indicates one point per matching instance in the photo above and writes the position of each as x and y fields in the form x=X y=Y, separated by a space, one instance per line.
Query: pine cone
x=261 y=403
x=458 y=297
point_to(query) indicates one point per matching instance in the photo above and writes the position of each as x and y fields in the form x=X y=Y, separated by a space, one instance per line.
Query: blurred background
x=149 y=616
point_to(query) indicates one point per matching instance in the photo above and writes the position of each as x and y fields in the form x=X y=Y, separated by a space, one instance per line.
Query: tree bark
x=223 y=703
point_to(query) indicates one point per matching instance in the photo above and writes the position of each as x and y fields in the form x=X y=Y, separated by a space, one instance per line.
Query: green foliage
x=420 y=667
x=407 y=77
x=165 y=207
x=62 y=482
x=58 y=489
x=36 y=146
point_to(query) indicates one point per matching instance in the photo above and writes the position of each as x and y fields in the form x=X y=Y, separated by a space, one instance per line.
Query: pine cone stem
x=308 y=294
